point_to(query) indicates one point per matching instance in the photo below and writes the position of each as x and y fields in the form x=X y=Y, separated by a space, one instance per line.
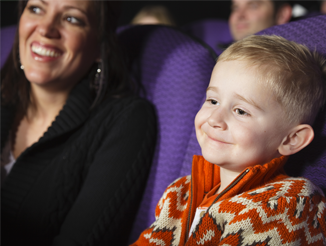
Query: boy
x=263 y=96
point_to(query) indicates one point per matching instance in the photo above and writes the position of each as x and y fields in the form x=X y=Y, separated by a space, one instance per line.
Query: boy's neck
x=226 y=177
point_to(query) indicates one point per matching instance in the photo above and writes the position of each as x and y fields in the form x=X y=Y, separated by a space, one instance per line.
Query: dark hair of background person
x=277 y=4
x=113 y=80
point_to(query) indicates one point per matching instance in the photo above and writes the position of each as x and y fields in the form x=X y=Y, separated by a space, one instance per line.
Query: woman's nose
x=217 y=119
x=48 y=28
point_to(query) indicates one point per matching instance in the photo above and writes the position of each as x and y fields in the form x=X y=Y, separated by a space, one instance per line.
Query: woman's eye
x=74 y=20
x=241 y=112
x=35 y=10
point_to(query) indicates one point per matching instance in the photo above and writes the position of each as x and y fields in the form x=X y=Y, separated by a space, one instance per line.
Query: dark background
x=184 y=12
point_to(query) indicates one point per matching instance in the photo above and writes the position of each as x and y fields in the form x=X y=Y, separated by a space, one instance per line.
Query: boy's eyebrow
x=250 y=101
x=211 y=88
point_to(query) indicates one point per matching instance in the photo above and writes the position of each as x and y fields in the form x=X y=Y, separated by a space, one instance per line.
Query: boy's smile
x=240 y=124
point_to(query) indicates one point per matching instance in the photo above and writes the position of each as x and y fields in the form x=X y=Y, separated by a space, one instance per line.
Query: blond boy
x=263 y=96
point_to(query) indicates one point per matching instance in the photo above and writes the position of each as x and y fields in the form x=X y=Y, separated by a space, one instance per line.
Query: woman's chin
x=37 y=78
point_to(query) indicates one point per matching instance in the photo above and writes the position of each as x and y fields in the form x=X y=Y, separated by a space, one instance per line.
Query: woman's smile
x=44 y=52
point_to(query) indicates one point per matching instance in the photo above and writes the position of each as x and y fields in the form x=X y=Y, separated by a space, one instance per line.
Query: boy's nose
x=217 y=119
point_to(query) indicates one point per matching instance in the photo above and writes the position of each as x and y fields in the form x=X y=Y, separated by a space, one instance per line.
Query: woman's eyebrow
x=74 y=7
x=67 y=7
x=43 y=1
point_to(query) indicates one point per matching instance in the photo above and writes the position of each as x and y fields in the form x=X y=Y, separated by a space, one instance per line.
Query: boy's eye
x=212 y=101
x=241 y=112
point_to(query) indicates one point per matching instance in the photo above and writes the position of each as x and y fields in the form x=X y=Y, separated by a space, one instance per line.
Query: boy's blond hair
x=295 y=75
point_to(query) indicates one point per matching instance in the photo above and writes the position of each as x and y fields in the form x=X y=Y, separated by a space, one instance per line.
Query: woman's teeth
x=44 y=52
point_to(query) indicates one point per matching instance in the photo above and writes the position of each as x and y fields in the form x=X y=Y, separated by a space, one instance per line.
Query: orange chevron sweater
x=263 y=206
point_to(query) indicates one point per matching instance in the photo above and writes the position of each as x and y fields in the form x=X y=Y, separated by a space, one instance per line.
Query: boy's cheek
x=199 y=119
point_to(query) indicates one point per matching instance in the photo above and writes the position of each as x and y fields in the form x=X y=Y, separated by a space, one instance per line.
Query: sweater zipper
x=216 y=199
x=229 y=187
x=189 y=213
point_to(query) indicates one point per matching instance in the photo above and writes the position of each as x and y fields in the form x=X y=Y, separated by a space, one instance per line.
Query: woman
x=76 y=145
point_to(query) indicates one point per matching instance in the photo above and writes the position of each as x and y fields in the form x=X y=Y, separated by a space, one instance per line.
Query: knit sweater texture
x=81 y=183
x=262 y=206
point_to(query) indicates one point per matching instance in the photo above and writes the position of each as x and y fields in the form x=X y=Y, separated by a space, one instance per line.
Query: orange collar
x=206 y=180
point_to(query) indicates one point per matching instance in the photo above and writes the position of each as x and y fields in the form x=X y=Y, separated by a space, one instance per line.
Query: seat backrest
x=7 y=39
x=214 y=32
x=311 y=161
x=175 y=71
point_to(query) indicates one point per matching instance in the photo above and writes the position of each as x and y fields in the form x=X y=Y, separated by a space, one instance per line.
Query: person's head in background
x=323 y=7
x=251 y=16
x=153 y=15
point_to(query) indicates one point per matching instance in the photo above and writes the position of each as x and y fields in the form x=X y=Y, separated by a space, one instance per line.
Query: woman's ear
x=298 y=138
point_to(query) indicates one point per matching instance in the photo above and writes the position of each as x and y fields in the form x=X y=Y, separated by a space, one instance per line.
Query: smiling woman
x=57 y=42
x=76 y=143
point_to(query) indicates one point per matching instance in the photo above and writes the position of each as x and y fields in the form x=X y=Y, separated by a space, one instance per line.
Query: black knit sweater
x=81 y=183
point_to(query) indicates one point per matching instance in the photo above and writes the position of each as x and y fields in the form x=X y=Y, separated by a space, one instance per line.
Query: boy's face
x=240 y=124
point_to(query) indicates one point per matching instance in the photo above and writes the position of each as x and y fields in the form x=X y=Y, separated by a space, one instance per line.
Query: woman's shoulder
x=131 y=101
x=123 y=107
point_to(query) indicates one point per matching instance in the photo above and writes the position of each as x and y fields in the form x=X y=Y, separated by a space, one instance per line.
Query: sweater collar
x=73 y=113
x=205 y=176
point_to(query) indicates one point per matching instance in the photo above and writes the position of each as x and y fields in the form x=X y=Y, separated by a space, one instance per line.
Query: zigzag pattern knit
x=291 y=211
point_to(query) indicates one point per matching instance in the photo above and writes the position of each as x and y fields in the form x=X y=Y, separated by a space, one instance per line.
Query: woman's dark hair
x=113 y=80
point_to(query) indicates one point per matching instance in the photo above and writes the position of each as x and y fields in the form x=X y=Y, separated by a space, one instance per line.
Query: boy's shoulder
x=290 y=194
x=289 y=187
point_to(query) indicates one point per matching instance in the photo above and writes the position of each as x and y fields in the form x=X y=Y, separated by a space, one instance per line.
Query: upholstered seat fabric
x=174 y=70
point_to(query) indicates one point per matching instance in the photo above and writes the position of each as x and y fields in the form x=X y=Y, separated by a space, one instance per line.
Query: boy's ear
x=298 y=138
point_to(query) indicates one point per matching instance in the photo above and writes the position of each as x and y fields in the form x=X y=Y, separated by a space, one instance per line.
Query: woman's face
x=57 y=42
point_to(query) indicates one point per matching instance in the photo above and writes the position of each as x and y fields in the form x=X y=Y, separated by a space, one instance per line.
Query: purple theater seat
x=7 y=36
x=175 y=71
x=214 y=32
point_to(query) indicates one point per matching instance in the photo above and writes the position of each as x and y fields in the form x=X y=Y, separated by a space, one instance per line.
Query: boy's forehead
x=242 y=77
x=236 y=68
